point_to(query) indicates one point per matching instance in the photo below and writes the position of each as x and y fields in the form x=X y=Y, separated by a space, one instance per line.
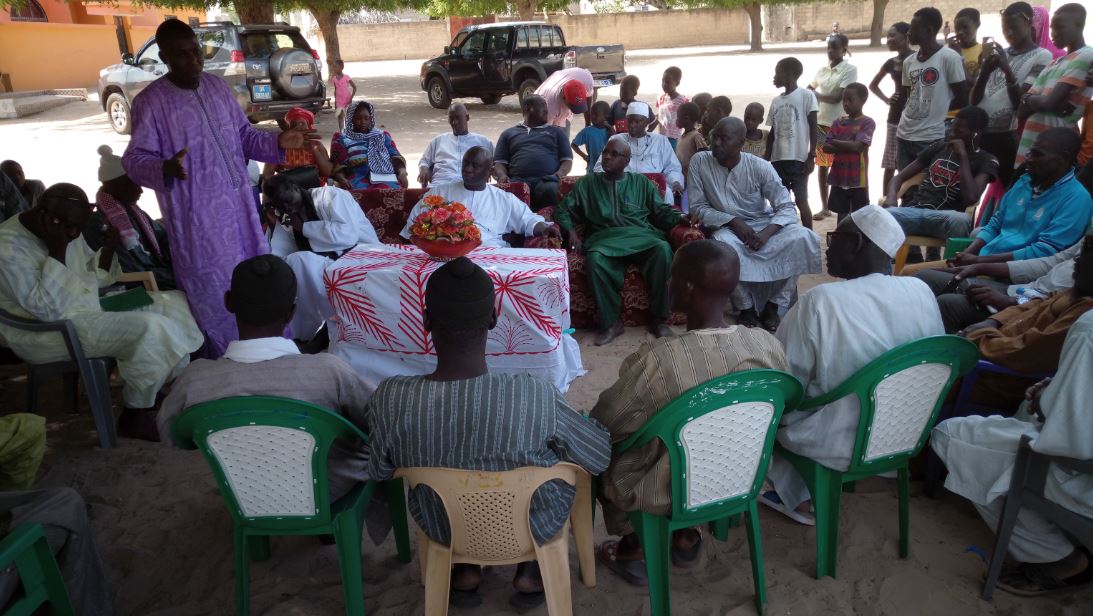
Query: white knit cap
x=637 y=108
x=880 y=227
x=109 y=165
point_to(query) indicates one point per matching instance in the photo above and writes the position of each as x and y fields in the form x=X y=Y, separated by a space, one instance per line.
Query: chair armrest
x=31 y=325
x=19 y=541
x=147 y=278
x=909 y=184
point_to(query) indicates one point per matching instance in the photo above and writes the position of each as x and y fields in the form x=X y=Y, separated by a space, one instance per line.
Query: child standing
x=755 y=138
x=791 y=143
x=668 y=104
x=628 y=92
x=595 y=135
x=718 y=108
x=848 y=141
x=691 y=141
x=344 y=89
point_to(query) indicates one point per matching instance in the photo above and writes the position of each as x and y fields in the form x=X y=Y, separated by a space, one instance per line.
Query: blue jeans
x=941 y=224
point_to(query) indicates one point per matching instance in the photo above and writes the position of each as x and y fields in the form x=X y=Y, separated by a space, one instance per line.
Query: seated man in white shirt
x=310 y=229
x=650 y=152
x=834 y=331
x=443 y=157
x=264 y=363
x=495 y=211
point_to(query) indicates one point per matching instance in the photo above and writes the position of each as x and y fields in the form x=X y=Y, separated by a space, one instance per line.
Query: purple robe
x=211 y=217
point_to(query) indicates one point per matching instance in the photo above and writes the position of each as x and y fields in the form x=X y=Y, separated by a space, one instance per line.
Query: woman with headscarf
x=364 y=156
x=313 y=156
x=1041 y=31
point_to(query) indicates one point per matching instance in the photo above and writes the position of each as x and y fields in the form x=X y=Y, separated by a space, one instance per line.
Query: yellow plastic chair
x=488 y=517
x=920 y=240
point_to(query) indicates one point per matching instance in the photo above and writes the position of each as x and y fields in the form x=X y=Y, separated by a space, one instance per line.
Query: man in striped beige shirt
x=704 y=275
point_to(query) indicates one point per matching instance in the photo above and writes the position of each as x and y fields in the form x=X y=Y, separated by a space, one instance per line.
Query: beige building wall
x=809 y=22
x=656 y=29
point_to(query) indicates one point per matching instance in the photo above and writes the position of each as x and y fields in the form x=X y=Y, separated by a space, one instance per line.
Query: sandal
x=527 y=601
x=1034 y=580
x=770 y=499
x=464 y=599
x=687 y=558
x=632 y=571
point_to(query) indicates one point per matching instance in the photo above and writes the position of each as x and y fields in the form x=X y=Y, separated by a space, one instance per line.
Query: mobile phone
x=952 y=287
x=987 y=40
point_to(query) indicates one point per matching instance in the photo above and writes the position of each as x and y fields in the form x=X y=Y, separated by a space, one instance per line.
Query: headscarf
x=1041 y=31
x=379 y=159
x=297 y=114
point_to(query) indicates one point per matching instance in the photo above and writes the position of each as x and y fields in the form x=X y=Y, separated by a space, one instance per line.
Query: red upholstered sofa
x=388 y=209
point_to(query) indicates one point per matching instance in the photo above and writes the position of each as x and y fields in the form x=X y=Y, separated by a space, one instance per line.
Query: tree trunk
x=755 y=13
x=661 y=4
x=876 y=30
x=526 y=9
x=254 y=11
x=328 y=28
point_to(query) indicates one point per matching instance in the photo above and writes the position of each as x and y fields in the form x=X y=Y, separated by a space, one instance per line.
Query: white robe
x=980 y=452
x=443 y=157
x=151 y=345
x=495 y=212
x=753 y=192
x=834 y=331
x=652 y=153
x=341 y=226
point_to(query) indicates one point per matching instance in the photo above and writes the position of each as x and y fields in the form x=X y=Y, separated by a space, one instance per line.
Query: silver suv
x=270 y=67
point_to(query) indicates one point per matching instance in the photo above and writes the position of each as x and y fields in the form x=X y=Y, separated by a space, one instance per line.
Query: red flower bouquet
x=445 y=230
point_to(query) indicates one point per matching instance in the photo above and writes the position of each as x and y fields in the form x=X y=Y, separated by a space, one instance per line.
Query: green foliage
x=477 y=8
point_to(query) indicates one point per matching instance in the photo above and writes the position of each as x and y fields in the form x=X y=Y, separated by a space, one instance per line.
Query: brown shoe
x=610 y=333
x=661 y=330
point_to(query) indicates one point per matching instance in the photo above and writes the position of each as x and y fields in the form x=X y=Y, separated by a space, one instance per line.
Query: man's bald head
x=615 y=157
x=728 y=138
x=458 y=118
x=704 y=274
x=476 y=166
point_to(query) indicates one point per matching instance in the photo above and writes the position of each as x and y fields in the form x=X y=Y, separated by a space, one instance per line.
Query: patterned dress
x=211 y=218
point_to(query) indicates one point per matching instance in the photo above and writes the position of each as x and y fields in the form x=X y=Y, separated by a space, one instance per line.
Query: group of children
x=790 y=143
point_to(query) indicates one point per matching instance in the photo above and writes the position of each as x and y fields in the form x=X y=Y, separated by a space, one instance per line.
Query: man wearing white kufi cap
x=649 y=153
x=835 y=330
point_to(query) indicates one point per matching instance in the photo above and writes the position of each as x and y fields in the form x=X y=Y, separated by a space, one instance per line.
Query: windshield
x=264 y=44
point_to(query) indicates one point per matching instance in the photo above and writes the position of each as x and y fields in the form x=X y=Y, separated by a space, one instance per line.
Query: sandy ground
x=166 y=538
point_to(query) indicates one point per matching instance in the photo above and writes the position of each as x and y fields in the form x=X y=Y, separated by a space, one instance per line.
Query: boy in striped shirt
x=848 y=139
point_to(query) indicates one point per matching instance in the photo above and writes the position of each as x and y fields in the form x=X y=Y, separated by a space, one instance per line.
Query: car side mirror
x=127 y=58
x=447 y=50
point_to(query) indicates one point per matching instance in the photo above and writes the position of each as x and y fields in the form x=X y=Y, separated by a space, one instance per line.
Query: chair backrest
x=26 y=547
x=900 y=394
x=488 y=511
x=719 y=436
x=269 y=456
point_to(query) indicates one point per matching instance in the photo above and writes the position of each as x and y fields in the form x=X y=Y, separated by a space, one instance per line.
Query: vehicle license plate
x=262 y=93
x=603 y=83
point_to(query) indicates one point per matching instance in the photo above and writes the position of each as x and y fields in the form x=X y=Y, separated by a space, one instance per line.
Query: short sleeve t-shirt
x=971 y=65
x=850 y=169
x=928 y=102
x=532 y=153
x=756 y=147
x=593 y=138
x=667 y=109
x=827 y=80
x=1026 y=67
x=1070 y=69
x=788 y=120
x=941 y=189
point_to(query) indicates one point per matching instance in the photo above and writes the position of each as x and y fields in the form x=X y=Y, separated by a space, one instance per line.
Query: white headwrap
x=880 y=227
x=109 y=164
x=637 y=108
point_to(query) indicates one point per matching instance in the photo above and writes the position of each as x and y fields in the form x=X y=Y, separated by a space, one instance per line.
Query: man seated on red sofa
x=625 y=221
x=495 y=211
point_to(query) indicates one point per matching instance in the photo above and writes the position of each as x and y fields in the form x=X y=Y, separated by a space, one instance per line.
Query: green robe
x=624 y=222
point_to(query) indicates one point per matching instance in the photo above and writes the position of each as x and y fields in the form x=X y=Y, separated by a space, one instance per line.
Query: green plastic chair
x=900 y=394
x=719 y=436
x=39 y=574
x=269 y=457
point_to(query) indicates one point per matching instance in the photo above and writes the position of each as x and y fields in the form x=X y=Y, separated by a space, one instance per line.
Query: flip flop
x=685 y=559
x=770 y=499
x=526 y=601
x=464 y=599
x=1034 y=580
x=632 y=571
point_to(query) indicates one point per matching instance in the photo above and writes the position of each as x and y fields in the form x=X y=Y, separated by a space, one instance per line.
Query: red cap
x=575 y=97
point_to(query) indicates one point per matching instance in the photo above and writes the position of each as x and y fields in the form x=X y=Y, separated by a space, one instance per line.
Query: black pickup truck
x=494 y=60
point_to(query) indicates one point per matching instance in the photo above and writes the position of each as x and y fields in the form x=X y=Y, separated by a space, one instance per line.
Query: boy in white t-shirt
x=934 y=81
x=791 y=143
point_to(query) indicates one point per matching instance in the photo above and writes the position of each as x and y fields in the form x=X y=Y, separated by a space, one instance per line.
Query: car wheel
x=492 y=99
x=527 y=88
x=117 y=110
x=438 y=92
